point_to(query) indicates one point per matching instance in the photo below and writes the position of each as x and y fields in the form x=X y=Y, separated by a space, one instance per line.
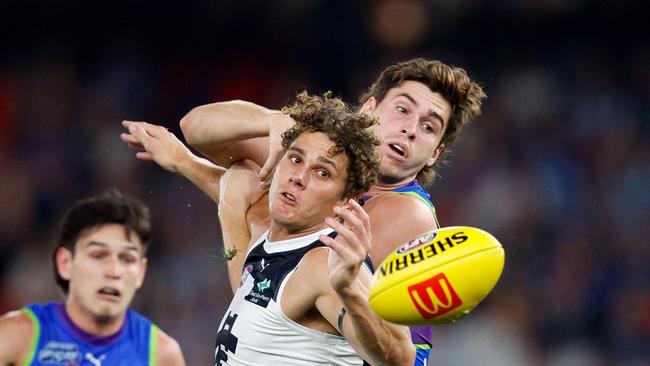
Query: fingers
x=360 y=213
x=151 y=129
x=356 y=217
x=269 y=165
x=341 y=249
x=358 y=245
x=144 y=155
x=131 y=140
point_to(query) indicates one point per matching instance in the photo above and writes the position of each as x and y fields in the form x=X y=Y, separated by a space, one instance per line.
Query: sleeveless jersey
x=58 y=341
x=421 y=336
x=255 y=330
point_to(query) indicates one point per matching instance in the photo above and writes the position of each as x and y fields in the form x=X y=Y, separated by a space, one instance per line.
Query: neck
x=278 y=232
x=96 y=325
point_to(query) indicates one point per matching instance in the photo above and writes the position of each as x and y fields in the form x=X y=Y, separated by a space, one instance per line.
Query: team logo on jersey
x=434 y=296
x=60 y=353
x=245 y=274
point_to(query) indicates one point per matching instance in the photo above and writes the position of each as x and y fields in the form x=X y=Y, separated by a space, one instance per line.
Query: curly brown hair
x=464 y=95
x=348 y=130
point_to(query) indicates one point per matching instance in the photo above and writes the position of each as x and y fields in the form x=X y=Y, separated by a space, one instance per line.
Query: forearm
x=384 y=343
x=203 y=173
x=218 y=129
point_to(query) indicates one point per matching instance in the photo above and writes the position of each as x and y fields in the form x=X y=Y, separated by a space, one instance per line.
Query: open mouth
x=289 y=196
x=399 y=149
x=109 y=292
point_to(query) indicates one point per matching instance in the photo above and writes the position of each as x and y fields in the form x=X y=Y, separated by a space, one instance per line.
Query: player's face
x=308 y=182
x=104 y=273
x=412 y=121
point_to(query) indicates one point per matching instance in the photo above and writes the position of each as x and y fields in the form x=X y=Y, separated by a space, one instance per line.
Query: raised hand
x=279 y=123
x=350 y=247
x=157 y=143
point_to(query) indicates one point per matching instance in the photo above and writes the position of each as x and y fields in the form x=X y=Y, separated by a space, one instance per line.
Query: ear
x=143 y=271
x=436 y=155
x=63 y=262
x=369 y=106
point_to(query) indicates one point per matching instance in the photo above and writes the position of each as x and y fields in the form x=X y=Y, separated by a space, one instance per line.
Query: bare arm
x=242 y=206
x=161 y=146
x=16 y=333
x=377 y=340
x=409 y=218
x=169 y=352
x=228 y=132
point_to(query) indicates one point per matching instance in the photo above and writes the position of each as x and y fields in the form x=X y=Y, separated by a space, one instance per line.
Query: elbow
x=190 y=126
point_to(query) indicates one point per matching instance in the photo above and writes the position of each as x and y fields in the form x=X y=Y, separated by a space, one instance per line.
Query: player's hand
x=240 y=184
x=350 y=247
x=157 y=144
x=279 y=123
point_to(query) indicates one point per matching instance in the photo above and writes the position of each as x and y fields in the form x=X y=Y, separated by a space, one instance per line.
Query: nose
x=113 y=268
x=409 y=127
x=298 y=177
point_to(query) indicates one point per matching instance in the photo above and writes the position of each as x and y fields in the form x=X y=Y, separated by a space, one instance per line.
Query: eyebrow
x=104 y=245
x=320 y=159
x=432 y=113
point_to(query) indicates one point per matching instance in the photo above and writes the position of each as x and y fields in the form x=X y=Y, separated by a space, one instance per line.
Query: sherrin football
x=437 y=278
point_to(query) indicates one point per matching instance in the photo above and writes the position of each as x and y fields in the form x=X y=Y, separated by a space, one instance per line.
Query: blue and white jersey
x=255 y=330
x=58 y=341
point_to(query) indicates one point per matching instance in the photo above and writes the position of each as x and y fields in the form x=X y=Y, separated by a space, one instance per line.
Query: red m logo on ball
x=434 y=297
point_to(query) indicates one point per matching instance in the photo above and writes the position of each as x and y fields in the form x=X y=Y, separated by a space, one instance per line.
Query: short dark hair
x=110 y=207
x=348 y=130
x=464 y=95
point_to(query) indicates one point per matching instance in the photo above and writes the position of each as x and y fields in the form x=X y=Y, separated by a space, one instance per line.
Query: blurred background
x=557 y=167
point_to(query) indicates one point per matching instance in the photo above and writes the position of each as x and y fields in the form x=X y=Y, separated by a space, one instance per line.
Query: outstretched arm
x=235 y=189
x=228 y=132
x=160 y=145
x=378 y=341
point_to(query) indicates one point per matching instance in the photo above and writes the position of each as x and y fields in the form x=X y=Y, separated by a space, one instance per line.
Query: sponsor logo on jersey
x=63 y=353
x=434 y=297
x=261 y=286
x=257 y=295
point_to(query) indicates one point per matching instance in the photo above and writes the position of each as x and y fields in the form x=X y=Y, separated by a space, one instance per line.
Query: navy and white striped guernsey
x=255 y=330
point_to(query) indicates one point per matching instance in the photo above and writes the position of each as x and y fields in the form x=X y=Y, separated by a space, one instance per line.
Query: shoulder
x=16 y=332
x=168 y=351
x=395 y=219
x=312 y=272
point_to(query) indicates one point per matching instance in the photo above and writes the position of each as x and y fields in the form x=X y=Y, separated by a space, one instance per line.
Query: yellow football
x=437 y=278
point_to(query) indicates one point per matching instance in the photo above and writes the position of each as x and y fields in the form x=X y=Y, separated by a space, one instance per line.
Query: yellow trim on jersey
x=35 y=337
x=153 y=344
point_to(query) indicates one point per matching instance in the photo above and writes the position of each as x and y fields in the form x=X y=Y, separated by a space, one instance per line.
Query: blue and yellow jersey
x=58 y=341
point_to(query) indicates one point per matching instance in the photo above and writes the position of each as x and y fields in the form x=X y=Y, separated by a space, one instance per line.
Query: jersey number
x=226 y=341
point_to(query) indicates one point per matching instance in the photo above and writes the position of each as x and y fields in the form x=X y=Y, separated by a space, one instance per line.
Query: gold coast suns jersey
x=255 y=330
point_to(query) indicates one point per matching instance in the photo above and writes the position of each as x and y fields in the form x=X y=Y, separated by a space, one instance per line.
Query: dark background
x=557 y=167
